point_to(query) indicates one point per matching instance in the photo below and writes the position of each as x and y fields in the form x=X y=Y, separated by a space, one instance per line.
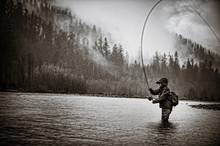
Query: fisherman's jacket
x=163 y=97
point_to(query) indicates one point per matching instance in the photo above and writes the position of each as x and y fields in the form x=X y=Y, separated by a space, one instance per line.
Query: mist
x=124 y=20
x=185 y=21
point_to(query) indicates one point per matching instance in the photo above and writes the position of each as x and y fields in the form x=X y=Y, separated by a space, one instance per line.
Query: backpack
x=174 y=99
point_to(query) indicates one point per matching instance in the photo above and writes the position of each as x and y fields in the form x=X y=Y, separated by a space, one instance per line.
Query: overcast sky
x=124 y=20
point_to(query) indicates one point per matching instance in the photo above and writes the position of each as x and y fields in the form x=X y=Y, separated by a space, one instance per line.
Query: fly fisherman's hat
x=163 y=81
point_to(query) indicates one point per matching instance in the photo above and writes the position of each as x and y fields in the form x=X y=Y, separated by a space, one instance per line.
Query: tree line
x=46 y=48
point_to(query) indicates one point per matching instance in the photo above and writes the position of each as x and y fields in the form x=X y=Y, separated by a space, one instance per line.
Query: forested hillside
x=46 y=48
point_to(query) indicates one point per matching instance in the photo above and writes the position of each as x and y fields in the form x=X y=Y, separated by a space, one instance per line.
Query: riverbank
x=206 y=106
x=80 y=94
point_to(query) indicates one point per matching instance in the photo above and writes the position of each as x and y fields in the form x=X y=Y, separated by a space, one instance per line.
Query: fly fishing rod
x=142 y=38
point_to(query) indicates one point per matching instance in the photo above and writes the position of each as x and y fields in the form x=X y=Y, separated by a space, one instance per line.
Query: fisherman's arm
x=154 y=92
x=163 y=96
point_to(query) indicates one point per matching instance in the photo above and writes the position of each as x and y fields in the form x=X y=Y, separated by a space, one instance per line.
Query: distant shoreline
x=98 y=95
x=81 y=94
x=206 y=106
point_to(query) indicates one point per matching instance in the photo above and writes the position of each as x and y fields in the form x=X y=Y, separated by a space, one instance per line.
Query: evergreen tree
x=164 y=64
x=114 y=54
x=120 y=55
x=106 y=51
x=176 y=64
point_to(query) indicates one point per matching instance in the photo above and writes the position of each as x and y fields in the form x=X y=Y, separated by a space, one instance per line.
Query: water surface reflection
x=59 y=119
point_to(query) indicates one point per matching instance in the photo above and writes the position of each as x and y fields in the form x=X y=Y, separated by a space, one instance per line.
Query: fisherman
x=163 y=93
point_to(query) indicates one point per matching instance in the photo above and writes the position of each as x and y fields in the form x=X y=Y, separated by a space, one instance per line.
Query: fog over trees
x=46 y=48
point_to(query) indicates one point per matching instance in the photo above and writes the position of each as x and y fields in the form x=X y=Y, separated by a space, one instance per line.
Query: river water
x=61 y=119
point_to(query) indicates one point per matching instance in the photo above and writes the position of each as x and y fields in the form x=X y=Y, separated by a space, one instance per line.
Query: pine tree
x=156 y=64
x=120 y=55
x=176 y=64
x=164 y=64
x=100 y=45
x=114 y=54
x=106 y=51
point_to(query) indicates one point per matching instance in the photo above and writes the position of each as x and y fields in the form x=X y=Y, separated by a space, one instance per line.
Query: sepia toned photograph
x=109 y=72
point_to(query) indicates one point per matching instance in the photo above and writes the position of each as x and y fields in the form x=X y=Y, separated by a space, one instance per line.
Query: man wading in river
x=163 y=98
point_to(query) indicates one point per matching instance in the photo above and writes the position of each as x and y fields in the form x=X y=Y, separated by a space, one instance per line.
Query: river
x=63 y=119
